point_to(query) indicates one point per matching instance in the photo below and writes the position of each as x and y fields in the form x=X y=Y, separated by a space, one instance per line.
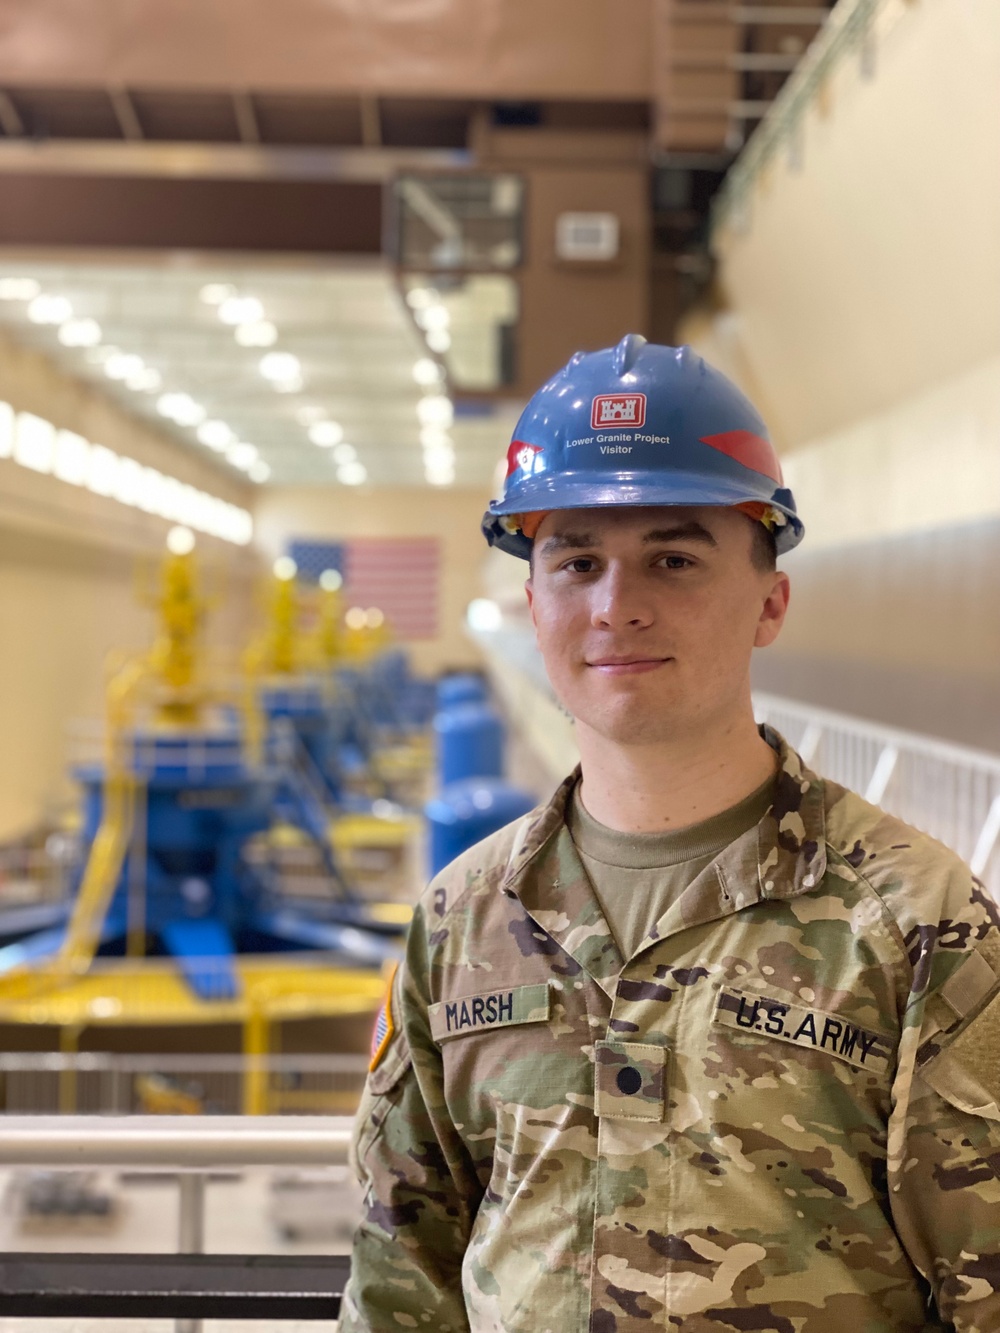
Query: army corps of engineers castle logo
x=618 y=411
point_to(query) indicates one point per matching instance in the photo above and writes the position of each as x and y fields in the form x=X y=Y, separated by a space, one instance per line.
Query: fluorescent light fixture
x=102 y=470
x=240 y=310
x=438 y=340
x=180 y=407
x=435 y=410
x=49 y=309
x=19 y=289
x=180 y=540
x=259 y=471
x=242 y=456
x=278 y=366
x=128 y=482
x=483 y=614
x=419 y=298
x=441 y=456
x=257 y=333
x=345 y=453
x=146 y=380
x=433 y=317
x=440 y=478
x=432 y=437
x=326 y=433
x=6 y=430
x=285 y=568
x=426 y=372
x=34 y=442
x=331 y=580
x=214 y=293
x=72 y=460
x=216 y=434
x=80 y=333
x=122 y=365
x=352 y=474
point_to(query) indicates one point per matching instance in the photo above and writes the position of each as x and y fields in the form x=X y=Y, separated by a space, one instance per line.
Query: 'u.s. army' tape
x=813 y=1028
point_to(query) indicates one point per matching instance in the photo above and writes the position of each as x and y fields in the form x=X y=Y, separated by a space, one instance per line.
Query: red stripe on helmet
x=753 y=451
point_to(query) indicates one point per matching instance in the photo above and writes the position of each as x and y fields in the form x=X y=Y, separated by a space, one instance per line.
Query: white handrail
x=173 y=1143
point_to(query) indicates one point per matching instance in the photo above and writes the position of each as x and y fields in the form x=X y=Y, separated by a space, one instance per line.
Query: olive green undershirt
x=636 y=876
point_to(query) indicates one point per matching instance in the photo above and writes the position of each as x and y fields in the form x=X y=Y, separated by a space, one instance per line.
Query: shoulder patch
x=384 y=1026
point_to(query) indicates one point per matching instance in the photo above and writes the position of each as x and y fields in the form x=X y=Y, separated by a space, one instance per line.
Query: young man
x=706 y=1043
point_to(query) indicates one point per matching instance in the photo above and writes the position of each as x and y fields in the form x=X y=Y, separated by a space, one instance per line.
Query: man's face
x=646 y=617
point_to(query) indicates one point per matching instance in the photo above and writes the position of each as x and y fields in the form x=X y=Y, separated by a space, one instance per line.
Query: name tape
x=799 y=1026
x=495 y=1009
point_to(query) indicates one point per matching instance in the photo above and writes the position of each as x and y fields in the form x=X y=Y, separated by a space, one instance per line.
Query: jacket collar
x=783 y=857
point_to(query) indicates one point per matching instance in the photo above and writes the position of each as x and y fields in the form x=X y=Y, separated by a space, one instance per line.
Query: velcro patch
x=495 y=1009
x=813 y=1028
x=385 y=1027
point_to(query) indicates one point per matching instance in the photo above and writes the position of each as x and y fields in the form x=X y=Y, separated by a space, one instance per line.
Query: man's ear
x=773 y=610
x=530 y=593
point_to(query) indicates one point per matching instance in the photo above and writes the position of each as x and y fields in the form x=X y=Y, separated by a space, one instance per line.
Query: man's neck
x=671 y=785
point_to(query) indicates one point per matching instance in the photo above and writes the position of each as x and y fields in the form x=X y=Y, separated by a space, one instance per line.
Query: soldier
x=706 y=1042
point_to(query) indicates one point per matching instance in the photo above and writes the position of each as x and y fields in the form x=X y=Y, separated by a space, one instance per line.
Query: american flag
x=399 y=575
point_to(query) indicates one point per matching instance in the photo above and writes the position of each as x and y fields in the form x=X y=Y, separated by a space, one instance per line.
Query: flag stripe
x=399 y=575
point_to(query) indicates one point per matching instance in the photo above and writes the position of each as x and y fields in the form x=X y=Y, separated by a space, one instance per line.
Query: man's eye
x=582 y=564
x=674 y=561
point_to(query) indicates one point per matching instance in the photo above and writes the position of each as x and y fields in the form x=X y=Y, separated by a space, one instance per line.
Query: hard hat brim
x=637 y=488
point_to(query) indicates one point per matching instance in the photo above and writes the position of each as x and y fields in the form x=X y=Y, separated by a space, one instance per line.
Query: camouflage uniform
x=780 y=1114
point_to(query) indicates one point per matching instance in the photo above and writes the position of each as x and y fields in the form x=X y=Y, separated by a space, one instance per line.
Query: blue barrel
x=469 y=740
x=464 y=687
x=468 y=811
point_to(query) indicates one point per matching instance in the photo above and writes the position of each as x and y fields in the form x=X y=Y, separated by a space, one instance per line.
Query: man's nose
x=620 y=602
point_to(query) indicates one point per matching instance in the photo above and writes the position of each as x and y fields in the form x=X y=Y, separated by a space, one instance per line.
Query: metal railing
x=948 y=791
x=848 y=29
x=194 y=1286
x=108 y=1083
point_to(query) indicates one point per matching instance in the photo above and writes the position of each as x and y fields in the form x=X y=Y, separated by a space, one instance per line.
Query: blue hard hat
x=639 y=424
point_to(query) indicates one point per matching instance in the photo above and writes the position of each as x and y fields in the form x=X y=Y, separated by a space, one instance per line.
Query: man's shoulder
x=484 y=865
x=908 y=868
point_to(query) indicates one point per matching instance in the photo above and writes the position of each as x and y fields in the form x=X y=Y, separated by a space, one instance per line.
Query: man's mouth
x=627 y=664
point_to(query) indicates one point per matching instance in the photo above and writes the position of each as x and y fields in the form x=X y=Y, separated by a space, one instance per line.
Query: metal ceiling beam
x=99 y=157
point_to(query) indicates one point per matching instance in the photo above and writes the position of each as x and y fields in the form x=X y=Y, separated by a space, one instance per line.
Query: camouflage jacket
x=780 y=1114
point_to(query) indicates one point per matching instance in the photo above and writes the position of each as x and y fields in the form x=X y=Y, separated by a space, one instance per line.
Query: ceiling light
x=180 y=540
x=326 y=433
x=426 y=372
x=309 y=413
x=18 y=289
x=242 y=456
x=279 y=366
x=441 y=455
x=352 y=474
x=258 y=333
x=214 y=293
x=285 y=568
x=80 y=333
x=180 y=407
x=34 y=442
x=102 y=470
x=72 y=458
x=483 y=613
x=435 y=410
x=440 y=478
x=216 y=434
x=259 y=471
x=438 y=340
x=240 y=310
x=122 y=365
x=345 y=453
x=433 y=317
x=49 y=310
x=331 y=580
x=419 y=298
x=144 y=380
x=432 y=437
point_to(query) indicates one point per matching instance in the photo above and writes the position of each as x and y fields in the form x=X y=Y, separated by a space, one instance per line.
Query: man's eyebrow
x=569 y=541
x=686 y=532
